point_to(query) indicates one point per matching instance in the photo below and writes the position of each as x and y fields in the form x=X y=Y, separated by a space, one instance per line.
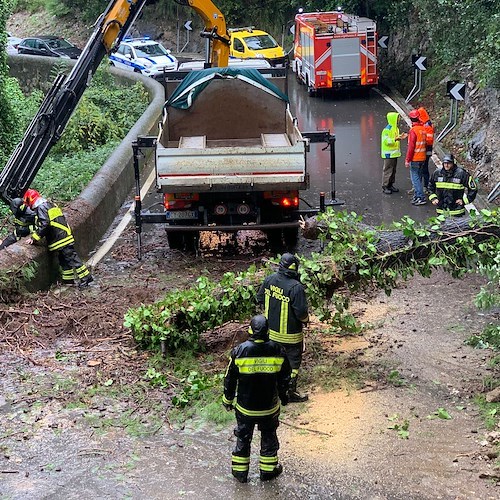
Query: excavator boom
x=215 y=30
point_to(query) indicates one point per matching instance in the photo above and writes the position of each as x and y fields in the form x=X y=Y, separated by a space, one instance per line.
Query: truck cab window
x=238 y=45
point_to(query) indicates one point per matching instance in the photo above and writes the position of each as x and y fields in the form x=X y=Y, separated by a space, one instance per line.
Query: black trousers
x=9 y=240
x=269 y=443
x=294 y=354
x=18 y=233
x=71 y=264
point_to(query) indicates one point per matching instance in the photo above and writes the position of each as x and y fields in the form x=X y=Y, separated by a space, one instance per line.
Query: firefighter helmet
x=449 y=158
x=414 y=115
x=289 y=261
x=17 y=207
x=259 y=327
x=30 y=197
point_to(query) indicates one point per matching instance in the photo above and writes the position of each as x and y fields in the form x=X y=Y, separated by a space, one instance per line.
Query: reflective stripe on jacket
x=448 y=186
x=259 y=373
x=52 y=225
x=285 y=306
x=428 y=127
x=390 y=147
x=417 y=144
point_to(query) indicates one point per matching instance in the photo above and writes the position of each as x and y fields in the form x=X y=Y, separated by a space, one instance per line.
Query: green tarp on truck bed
x=196 y=81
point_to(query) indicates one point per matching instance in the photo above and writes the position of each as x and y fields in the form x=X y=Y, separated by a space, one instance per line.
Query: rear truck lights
x=179 y=201
x=243 y=209
x=286 y=199
x=220 y=209
x=289 y=202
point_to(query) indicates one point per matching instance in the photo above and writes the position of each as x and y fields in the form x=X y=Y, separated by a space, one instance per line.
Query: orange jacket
x=428 y=126
x=416 y=143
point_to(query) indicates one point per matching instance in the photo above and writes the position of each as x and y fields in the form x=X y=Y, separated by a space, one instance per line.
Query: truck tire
x=312 y=92
x=183 y=240
x=175 y=240
x=290 y=236
x=275 y=240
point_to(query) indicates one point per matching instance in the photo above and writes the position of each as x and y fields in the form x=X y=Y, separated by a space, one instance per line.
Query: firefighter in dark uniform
x=285 y=306
x=24 y=222
x=259 y=373
x=51 y=224
x=447 y=187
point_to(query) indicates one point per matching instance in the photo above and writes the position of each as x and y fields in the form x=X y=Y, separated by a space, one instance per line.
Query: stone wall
x=94 y=210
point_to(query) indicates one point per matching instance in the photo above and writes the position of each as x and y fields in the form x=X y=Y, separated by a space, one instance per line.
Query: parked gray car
x=52 y=46
x=12 y=43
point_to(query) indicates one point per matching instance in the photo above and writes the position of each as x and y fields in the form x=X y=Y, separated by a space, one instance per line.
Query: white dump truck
x=229 y=157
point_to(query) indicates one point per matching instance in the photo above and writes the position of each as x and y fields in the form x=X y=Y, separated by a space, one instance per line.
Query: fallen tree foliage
x=354 y=256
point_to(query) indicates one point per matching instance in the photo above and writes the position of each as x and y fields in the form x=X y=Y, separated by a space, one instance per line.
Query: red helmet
x=414 y=115
x=30 y=197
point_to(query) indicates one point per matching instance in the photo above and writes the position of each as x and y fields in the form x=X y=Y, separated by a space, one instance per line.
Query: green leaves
x=183 y=315
x=440 y=413
x=401 y=425
x=350 y=259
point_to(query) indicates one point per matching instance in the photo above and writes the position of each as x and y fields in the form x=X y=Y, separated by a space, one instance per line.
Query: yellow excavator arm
x=215 y=30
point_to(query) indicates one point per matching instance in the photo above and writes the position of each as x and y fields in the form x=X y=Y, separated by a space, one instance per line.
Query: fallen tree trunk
x=378 y=254
x=393 y=240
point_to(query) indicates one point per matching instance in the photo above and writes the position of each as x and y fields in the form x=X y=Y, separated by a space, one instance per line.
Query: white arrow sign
x=188 y=25
x=420 y=63
x=382 y=41
x=458 y=91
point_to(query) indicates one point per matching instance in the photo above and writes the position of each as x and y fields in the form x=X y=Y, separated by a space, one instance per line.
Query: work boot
x=85 y=282
x=295 y=397
x=267 y=476
x=242 y=477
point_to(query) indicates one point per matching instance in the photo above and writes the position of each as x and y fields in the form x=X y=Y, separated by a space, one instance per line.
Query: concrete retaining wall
x=94 y=210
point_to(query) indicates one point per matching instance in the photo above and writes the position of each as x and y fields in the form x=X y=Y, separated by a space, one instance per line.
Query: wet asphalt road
x=356 y=119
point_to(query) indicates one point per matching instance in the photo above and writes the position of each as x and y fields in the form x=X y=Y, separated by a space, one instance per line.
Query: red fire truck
x=334 y=49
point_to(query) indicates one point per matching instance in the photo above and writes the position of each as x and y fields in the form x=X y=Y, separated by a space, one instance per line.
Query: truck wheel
x=175 y=240
x=312 y=92
x=291 y=236
x=274 y=238
x=183 y=240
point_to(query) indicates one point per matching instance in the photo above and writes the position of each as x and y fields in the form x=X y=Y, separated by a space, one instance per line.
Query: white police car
x=143 y=55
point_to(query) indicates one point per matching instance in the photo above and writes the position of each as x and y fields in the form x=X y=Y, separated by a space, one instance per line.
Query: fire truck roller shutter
x=346 y=59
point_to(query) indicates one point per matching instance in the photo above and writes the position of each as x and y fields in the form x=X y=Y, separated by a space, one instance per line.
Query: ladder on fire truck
x=371 y=51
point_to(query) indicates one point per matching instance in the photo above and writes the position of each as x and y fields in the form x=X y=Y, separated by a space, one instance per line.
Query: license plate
x=181 y=214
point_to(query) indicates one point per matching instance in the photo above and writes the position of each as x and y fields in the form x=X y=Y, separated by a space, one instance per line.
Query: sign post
x=456 y=92
x=420 y=63
x=188 y=28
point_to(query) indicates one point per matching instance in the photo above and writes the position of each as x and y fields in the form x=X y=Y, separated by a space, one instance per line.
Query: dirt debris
x=61 y=348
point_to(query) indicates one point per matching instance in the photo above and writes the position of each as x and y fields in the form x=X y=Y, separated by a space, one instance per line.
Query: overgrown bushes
x=103 y=117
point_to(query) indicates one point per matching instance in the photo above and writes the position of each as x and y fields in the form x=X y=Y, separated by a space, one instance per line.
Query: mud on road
x=77 y=418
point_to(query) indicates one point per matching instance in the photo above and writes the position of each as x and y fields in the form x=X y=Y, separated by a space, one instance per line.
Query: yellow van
x=252 y=43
